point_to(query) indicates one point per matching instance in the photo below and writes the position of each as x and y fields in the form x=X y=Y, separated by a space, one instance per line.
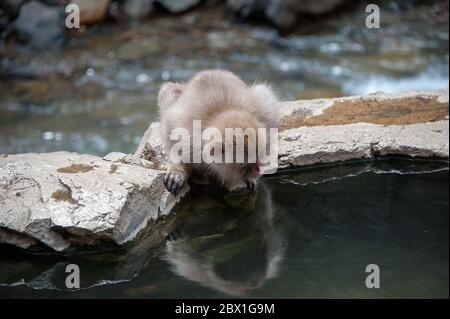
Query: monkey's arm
x=168 y=94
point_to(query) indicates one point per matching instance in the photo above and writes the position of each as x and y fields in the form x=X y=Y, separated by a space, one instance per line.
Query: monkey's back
x=212 y=92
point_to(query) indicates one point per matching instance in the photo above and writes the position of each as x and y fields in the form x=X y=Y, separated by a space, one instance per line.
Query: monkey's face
x=234 y=169
x=239 y=162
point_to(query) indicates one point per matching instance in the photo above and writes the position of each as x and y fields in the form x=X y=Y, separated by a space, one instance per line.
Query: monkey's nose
x=254 y=170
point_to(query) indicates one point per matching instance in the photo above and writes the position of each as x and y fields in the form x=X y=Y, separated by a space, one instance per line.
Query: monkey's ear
x=168 y=94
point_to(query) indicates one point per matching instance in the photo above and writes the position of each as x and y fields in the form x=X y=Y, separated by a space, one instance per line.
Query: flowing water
x=98 y=94
x=306 y=234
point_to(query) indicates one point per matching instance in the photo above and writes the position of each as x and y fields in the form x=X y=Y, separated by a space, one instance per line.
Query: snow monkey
x=218 y=100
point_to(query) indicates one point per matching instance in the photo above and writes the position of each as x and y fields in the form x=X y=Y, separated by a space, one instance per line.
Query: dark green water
x=307 y=234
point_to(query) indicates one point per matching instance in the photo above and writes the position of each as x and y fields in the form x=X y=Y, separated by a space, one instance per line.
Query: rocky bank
x=40 y=24
x=66 y=200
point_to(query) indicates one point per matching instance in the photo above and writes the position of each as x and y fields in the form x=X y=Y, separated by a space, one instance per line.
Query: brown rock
x=91 y=12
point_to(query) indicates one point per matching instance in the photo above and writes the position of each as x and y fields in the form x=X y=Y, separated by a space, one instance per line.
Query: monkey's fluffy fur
x=221 y=100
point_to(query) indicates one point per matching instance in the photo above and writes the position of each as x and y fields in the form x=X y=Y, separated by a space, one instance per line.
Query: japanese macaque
x=220 y=100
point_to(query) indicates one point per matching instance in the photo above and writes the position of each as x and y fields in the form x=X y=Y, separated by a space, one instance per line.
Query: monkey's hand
x=175 y=178
x=252 y=184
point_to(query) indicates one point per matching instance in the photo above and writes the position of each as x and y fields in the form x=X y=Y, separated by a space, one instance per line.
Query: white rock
x=335 y=143
x=65 y=199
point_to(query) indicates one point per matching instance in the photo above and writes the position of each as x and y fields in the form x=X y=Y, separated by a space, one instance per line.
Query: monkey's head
x=240 y=135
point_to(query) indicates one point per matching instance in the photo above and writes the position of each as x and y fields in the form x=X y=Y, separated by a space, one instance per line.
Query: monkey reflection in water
x=230 y=245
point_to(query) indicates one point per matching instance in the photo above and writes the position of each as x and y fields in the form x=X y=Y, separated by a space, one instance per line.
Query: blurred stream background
x=93 y=90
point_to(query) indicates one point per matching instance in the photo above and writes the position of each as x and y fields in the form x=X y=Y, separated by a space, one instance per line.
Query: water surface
x=306 y=234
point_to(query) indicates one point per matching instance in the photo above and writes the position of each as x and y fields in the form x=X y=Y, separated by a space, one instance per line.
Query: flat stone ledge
x=336 y=143
x=64 y=200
